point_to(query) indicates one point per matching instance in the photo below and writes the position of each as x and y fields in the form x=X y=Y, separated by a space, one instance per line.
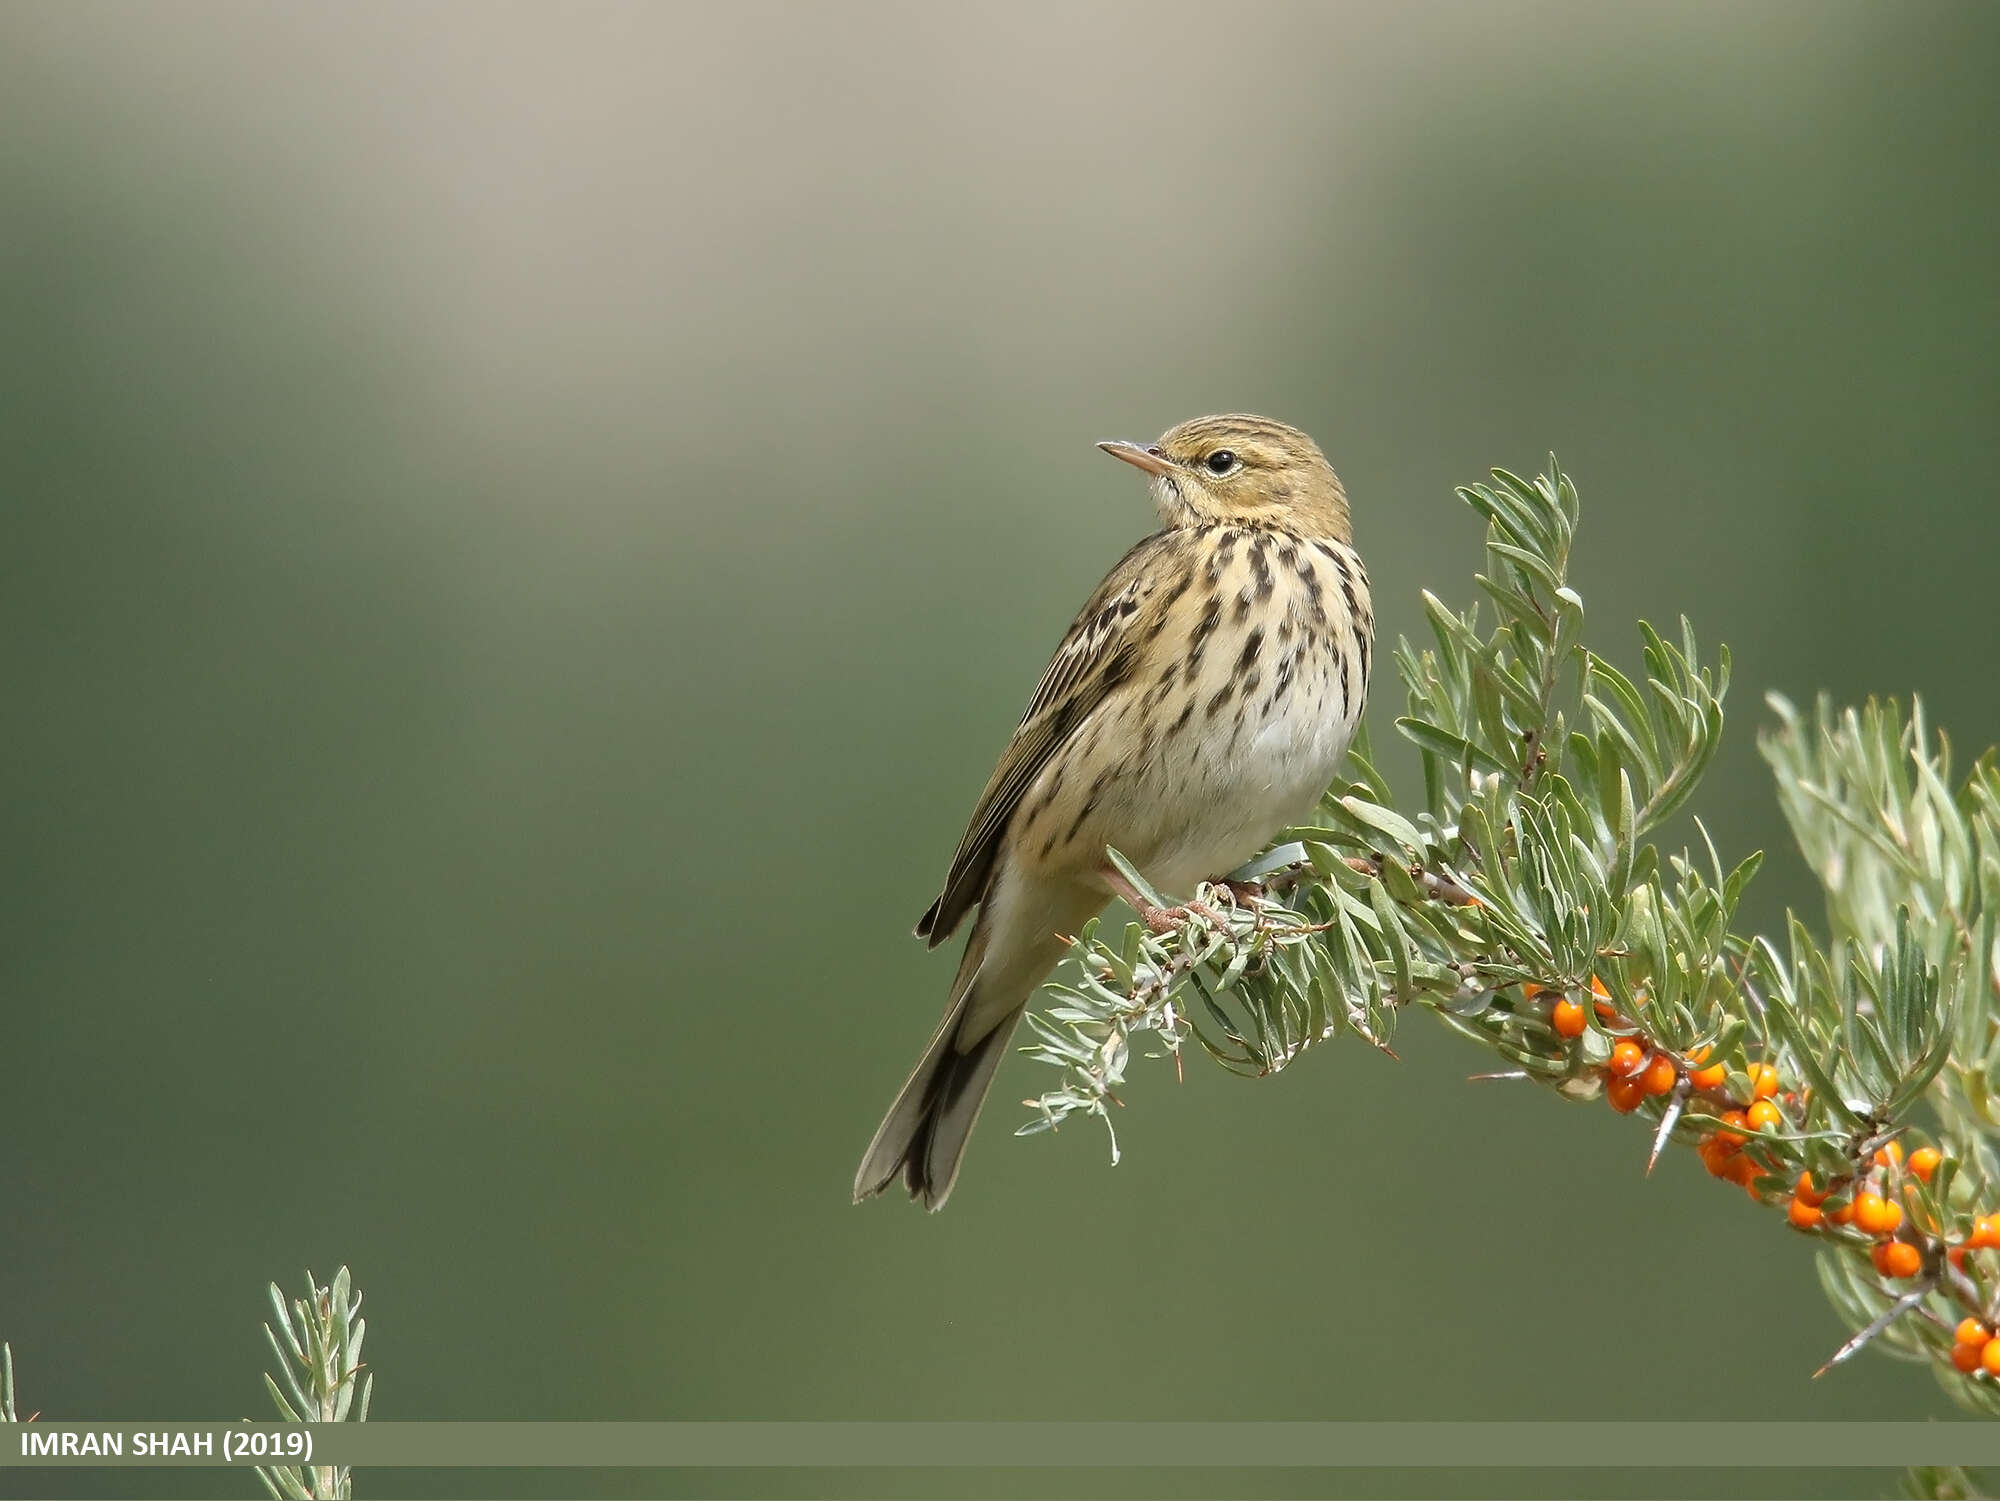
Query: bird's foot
x=1161 y=919
x=1172 y=919
x=1249 y=895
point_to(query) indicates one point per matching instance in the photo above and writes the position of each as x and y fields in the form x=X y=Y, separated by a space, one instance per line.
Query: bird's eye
x=1221 y=461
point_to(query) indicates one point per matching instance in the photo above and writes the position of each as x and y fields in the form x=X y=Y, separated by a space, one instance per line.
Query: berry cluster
x=1639 y=1070
x=1869 y=1204
x=1974 y=1348
x=1744 y=1123
x=1635 y=1071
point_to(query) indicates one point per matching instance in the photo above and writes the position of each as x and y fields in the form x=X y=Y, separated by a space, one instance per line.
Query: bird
x=1200 y=702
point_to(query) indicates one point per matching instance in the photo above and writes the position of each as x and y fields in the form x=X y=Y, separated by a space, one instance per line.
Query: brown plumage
x=1200 y=702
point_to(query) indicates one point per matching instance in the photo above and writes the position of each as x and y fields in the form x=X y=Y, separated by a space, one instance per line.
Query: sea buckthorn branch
x=318 y=1345
x=1436 y=887
x=1852 y=1085
x=1911 y=872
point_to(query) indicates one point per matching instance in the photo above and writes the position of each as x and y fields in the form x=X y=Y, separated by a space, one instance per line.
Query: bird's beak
x=1139 y=457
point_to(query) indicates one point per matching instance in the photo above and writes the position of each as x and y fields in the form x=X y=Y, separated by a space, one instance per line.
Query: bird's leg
x=1250 y=895
x=1159 y=919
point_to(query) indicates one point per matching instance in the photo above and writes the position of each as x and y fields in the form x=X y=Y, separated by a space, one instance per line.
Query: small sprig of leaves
x=1172 y=986
x=318 y=1345
x=1526 y=880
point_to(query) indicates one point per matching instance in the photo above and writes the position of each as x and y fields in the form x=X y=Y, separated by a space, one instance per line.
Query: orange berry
x=1810 y=1192
x=1971 y=1332
x=1567 y=1018
x=1716 y=1155
x=1763 y=1081
x=1710 y=1077
x=1924 y=1161
x=1625 y=1095
x=1744 y=1170
x=1956 y=1256
x=1765 y=1116
x=1602 y=1005
x=1627 y=1058
x=1898 y=1258
x=1733 y=1118
x=1890 y=1156
x=1659 y=1074
x=1803 y=1215
x=1989 y=1357
x=1877 y=1215
x=1985 y=1233
x=1965 y=1357
x=1843 y=1215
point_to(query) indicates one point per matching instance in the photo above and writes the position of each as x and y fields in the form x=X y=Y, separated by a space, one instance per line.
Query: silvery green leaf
x=286 y=1410
x=1468 y=1000
x=1388 y=822
x=1538 y=568
x=1277 y=858
x=1455 y=749
x=284 y=1325
x=1130 y=872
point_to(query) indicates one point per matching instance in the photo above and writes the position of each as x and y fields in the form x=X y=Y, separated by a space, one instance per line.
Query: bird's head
x=1248 y=470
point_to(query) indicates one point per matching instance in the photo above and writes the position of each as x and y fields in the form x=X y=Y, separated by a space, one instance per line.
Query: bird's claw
x=1165 y=920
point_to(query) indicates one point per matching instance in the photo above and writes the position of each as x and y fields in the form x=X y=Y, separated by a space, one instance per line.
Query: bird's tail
x=923 y=1136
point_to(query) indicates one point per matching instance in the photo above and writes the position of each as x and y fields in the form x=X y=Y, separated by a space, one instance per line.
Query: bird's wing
x=1096 y=656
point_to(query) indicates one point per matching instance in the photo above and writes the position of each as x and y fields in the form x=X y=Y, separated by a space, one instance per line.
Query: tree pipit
x=1200 y=702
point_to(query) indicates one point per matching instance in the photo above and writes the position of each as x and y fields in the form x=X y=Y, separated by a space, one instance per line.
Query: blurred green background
x=526 y=526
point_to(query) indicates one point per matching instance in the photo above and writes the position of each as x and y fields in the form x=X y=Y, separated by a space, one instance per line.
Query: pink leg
x=1159 y=919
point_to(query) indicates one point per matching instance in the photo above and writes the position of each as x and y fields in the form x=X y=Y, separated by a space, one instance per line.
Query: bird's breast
x=1236 y=720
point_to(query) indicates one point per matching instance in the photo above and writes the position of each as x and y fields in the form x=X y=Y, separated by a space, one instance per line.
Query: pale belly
x=1205 y=809
x=1275 y=783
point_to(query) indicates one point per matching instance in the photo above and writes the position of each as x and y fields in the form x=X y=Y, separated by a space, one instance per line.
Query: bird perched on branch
x=1200 y=702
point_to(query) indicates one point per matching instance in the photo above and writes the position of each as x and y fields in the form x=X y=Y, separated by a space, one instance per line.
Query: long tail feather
x=922 y=1138
x=1014 y=945
x=955 y=1091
